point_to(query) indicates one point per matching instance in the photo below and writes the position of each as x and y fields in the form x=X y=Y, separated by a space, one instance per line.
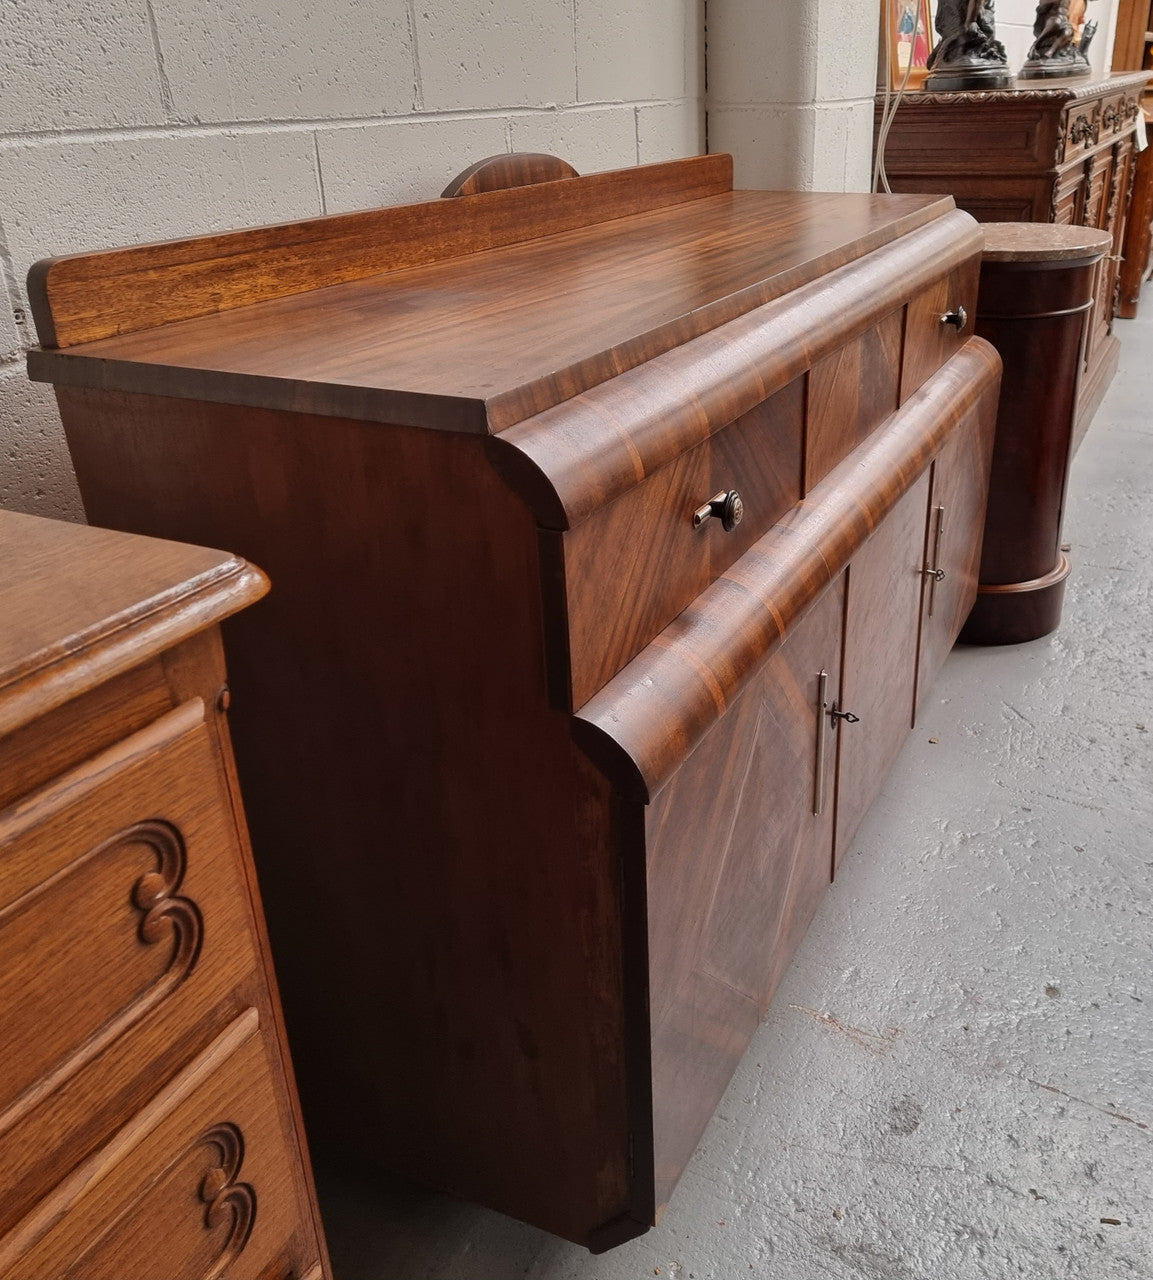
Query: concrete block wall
x=791 y=85
x=130 y=120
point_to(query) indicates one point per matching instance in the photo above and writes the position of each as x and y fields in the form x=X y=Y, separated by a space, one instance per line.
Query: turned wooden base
x=1013 y=612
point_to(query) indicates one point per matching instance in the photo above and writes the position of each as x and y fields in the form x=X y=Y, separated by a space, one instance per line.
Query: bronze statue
x=968 y=55
x=1054 y=51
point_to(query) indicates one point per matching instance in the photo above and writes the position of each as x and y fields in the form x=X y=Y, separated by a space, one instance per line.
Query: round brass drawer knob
x=958 y=319
x=726 y=507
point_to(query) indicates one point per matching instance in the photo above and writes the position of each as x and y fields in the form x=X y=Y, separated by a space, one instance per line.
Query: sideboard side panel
x=411 y=796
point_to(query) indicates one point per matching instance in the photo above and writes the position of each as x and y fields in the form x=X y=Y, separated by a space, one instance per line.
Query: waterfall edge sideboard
x=1041 y=151
x=545 y=751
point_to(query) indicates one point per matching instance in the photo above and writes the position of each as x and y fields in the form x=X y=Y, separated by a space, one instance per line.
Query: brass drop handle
x=727 y=507
x=958 y=319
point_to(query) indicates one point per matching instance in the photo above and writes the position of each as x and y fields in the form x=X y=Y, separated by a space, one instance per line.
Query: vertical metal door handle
x=822 y=709
x=937 y=573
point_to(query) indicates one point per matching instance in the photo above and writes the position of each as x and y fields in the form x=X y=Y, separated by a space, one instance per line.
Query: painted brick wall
x=132 y=120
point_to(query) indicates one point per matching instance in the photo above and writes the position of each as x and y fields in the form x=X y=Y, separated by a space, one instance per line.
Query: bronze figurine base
x=1052 y=68
x=949 y=77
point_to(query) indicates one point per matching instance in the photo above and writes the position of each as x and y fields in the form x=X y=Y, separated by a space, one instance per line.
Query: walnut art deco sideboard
x=148 y=1123
x=548 y=753
x=1058 y=152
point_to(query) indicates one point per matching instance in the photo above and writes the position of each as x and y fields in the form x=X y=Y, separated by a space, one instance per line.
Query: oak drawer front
x=199 y=1183
x=851 y=392
x=636 y=563
x=123 y=908
x=930 y=339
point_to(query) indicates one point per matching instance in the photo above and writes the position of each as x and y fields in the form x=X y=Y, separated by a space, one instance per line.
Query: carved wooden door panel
x=1099 y=174
x=738 y=860
x=1121 y=181
x=880 y=662
x=959 y=481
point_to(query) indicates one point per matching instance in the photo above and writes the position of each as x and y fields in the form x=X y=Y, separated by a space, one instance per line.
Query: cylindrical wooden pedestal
x=1037 y=284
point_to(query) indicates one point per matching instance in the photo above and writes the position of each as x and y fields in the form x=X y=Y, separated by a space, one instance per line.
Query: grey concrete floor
x=956 y=1078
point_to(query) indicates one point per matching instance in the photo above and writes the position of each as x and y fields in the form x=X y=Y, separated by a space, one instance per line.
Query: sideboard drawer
x=130 y=863
x=1081 y=129
x=198 y=1184
x=930 y=339
x=636 y=563
x=851 y=392
x=1115 y=114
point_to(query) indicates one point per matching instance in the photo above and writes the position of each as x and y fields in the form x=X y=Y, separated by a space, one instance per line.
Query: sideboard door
x=738 y=861
x=959 y=487
x=880 y=659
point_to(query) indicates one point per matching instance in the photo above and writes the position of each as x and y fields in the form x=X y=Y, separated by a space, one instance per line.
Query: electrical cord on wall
x=889 y=110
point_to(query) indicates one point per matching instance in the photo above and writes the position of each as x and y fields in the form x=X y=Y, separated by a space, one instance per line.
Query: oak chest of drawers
x=1060 y=153
x=545 y=753
x=147 y=1121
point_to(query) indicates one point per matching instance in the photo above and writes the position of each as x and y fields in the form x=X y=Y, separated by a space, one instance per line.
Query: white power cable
x=889 y=110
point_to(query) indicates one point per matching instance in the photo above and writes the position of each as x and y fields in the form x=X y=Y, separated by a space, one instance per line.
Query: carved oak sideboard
x=148 y=1123
x=618 y=524
x=1062 y=153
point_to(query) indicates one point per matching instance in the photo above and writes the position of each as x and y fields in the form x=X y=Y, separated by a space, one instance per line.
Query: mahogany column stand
x=1037 y=283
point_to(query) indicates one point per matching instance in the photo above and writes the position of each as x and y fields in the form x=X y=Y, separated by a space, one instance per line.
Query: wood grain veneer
x=637 y=562
x=580 y=455
x=851 y=392
x=530 y=762
x=430 y=345
x=722 y=928
x=497 y=173
x=84 y=297
x=957 y=504
x=645 y=721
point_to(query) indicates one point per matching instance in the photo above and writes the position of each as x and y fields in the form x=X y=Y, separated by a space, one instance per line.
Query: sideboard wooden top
x=81 y=604
x=481 y=341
